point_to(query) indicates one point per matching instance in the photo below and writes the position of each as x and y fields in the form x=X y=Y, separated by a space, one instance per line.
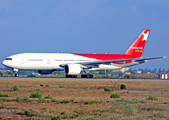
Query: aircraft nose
x=5 y=63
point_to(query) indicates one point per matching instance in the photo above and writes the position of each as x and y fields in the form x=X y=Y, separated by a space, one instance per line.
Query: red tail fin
x=136 y=49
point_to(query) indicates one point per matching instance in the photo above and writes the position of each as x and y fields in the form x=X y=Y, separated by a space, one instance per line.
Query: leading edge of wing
x=119 y=60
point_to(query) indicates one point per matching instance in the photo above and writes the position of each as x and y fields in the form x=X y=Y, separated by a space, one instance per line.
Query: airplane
x=74 y=64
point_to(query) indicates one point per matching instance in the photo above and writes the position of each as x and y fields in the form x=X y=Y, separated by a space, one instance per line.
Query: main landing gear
x=82 y=76
x=71 y=76
x=86 y=76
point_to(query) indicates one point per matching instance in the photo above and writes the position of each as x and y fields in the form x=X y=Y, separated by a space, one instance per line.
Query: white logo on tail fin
x=145 y=36
x=136 y=47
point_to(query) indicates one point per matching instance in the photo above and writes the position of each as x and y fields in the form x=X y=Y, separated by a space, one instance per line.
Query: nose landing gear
x=16 y=75
x=16 y=72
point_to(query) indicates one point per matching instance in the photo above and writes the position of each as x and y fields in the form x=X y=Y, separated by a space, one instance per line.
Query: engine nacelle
x=45 y=71
x=73 y=69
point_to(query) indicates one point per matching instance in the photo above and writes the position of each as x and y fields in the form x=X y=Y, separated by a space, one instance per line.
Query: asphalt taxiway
x=78 y=79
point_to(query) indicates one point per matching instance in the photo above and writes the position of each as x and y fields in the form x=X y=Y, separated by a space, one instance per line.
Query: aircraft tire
x=71 y=76
x=87 y=76
x=16 y=75
x=74 y=76
x=68 y=76
x=91 y=76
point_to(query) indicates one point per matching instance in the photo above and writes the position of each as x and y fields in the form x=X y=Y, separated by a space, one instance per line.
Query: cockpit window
x=8 y=59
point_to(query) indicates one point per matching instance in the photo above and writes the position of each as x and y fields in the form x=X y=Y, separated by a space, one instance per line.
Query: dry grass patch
x=85 y=99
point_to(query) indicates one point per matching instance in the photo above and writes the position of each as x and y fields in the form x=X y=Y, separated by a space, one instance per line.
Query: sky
x=84 y=26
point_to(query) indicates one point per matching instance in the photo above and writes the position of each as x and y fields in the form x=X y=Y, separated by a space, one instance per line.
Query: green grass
x=63 y=86
x=1 y=74
x=142 y=101
x=90 y=102
x=42 y=100
x=29 y=112
x=36 y=95
x=56 y=117
x=151 y=108
x=90 y=118
x=123 y=87
x=47 y=85
x=132 y=110
x=63 y=101
x=4 y=95
x=108 y=89
x=152 y=98
x=125 y=101
x=166 y=102
x=2 y=106
x=7 y=100
x=24 y=99
x=63 y=113
x=73 y=116
x=158 y=115
x=115 y=95
x=81 y=112
x=31 y=75
x=53 y=100
x=15 y=88
x=49 y=97
x=121 y=108
x=44 y=108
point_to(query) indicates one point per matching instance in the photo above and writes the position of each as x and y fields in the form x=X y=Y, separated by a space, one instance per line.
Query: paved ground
x=84 y=79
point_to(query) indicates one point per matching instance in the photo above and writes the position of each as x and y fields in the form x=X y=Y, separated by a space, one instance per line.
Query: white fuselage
x=49 y=61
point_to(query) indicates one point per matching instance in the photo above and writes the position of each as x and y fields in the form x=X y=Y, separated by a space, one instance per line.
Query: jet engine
x=73 y=69
x=45 y=71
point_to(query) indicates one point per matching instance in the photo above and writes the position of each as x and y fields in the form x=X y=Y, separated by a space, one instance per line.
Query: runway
x=78 y=79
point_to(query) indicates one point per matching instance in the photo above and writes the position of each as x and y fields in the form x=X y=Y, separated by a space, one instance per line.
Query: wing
x=95 y=63
x=119 y=60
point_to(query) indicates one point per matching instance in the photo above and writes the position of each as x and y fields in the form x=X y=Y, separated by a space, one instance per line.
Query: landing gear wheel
x=16 y=75
x=91 y=76
x=74 y=76
x=87 y=76
x=68 y=76
x=71 y=76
